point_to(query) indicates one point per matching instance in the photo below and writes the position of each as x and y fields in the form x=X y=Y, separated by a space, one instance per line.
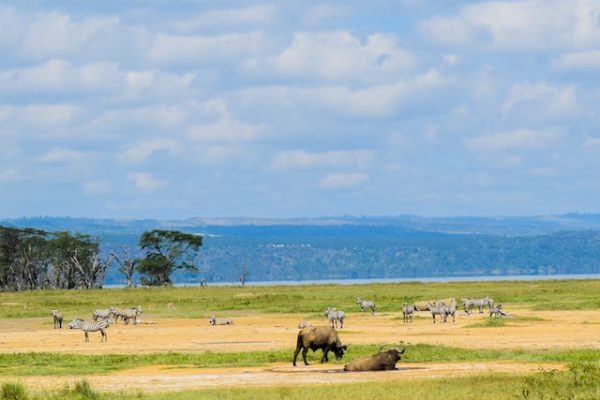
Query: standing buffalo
x=319 y=337
x=384 y=361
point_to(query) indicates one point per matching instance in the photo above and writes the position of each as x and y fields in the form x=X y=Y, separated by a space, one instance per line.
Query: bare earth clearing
x=527 y=329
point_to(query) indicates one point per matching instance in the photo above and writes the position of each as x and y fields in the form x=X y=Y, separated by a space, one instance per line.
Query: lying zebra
x=407 y=312
x=497 y=311
x=88 y=327
x=365 y=304
x=220 y=321
x=468 y=304
x=335 y=317
x=58 y=319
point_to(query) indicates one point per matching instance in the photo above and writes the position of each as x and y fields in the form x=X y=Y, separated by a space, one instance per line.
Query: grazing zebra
x=220 y=321
x=450 y=310
x=497 y=311
x=408 y=311
x=436 y=310
x=468 y=304
x=58 y=319
x=115 y=313
x=102 y=314
x=88 y=327
x=334 y=317
x=364 y=304
x=131 y=313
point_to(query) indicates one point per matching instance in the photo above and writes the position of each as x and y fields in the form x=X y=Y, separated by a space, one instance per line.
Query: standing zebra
x=436 y=310
x=450 y=310
x=131 y=313
x=334 y=317
x=468 y=304
x=364 y=304
x=88 y=327
x=58 y=319
x=408 y=311
x=102 y=314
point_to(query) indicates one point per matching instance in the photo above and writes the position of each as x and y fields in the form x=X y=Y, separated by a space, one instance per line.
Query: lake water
x=394 y=280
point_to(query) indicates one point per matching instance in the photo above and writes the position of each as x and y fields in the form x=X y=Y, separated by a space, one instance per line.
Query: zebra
x=130 y=313
x=364 y=304
x=88 y=327
x=335 y=316
x=437 y=310
x=102 y=314
x=497 y=311
x=220 y=321
x=408 y=311
x=468 y=304
x=58 y=319
x=450 y=310
x=115 y=313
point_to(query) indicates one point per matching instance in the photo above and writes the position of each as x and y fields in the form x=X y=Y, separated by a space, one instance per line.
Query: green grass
x=38 y=364
x=579 y=382
x=196 y=302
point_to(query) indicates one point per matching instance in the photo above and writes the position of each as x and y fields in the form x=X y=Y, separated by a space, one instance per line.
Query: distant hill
x=364 y=247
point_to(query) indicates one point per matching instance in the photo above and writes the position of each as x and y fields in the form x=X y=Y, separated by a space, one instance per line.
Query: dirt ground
x=526 y=329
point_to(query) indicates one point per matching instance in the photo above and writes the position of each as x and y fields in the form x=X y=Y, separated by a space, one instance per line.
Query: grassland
x=308 y=302
x=196 y=302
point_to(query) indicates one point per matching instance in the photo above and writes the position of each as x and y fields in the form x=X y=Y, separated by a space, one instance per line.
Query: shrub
x=13 y=391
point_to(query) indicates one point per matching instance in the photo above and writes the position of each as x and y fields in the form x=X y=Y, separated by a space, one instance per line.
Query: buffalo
x=319 y=337
x=384 y=361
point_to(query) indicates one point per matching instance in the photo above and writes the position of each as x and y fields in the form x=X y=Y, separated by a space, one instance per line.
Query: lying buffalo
x=319 y=337
x=384 y=361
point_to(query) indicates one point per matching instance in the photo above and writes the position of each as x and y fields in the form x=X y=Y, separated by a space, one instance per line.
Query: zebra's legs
x=104 y=337
x=87 y=336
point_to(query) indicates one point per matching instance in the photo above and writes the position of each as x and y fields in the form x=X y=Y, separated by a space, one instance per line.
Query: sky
x=174 y=109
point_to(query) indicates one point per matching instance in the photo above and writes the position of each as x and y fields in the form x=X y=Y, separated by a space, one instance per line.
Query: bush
x=13 y=391
x=82 y=390
x=579 y=382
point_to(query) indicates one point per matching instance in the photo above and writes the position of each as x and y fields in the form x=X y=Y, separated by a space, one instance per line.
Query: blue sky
x=173 y=109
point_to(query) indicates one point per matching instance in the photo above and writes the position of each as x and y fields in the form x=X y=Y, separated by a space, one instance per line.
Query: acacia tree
x=165 y=252
x=127 y=263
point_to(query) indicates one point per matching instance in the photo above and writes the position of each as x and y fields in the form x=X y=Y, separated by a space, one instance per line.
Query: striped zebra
x=220 y=321
x=450 y=311
x=131 y=313
x=408 y=311
x=102 y=314
x=497 y=311
x=364 y=304
x=88 y=327
x=58 y=319
x=468 y=304
x=437 y=310
x=335 y=317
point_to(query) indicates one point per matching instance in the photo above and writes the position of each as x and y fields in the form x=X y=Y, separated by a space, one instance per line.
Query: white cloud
x=228 y=18
x=555 y=100
x=519 y=139
x=96 y=187
x=519 y=25
x=301 y=159
x=579 y=61
x=61 y=155
x=206 y=50
x=338 y=56
x=9 y=175
x=36 y=119
x=343 y=181
x=141 y=151
x=146 y=182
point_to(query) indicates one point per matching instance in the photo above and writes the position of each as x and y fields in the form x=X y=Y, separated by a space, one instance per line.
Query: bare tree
x=244 y=275
x=90 y=268
x=127 y=263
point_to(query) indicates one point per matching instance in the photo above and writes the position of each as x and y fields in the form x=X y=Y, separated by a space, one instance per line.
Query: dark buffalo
x=384 y=361
x=319 y=337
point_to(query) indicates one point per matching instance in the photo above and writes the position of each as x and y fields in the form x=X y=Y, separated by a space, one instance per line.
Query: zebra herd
x=440 y=309
x=447 y=308
x=101 y=320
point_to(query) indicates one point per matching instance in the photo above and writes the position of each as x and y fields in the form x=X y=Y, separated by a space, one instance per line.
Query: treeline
x=35 y=259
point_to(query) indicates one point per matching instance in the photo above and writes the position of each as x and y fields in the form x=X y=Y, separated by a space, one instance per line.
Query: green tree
x=165 y=252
